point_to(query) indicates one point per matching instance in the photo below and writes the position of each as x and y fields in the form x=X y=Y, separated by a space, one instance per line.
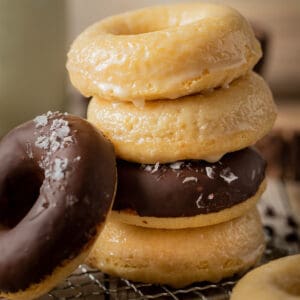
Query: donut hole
x=19 y=195
x=143 y=22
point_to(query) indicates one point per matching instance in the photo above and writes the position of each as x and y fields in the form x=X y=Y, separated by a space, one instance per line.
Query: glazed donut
x=57 y=184
x=195 y=127
x=189 y=193
x=179 y=257
x=163 y=52
x=276 y=280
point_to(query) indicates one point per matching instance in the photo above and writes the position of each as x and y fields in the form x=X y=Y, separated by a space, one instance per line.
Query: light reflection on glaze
x=191 y=127
x=163 y=53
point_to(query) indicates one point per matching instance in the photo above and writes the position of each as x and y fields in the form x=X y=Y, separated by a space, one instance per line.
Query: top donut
x=162 y=52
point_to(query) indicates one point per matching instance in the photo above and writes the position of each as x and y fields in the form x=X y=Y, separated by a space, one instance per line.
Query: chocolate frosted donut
x=188 y=189
x=57 y=184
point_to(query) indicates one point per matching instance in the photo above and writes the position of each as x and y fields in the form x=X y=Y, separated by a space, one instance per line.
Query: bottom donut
x=179 y=257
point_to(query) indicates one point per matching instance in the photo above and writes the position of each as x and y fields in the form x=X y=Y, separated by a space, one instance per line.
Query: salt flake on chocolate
x=57 y=137
x=210 y=172
x=155 y=168
x=148 y=168
x=61 y=127
x=57 y=172
x=227 y=175
x=42 y=142
x=41 y=121
x=198 y=201
x=176 y=165
x=211 y=196
x=189 y=179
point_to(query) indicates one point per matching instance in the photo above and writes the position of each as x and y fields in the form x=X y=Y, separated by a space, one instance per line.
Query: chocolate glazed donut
x=189 y=188
x=57 y=183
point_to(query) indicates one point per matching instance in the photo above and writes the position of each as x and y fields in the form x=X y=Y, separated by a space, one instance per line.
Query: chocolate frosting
x=57 y=183
x=189 y=188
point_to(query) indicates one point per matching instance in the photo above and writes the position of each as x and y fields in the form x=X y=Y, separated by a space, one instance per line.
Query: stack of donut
x=173 y=89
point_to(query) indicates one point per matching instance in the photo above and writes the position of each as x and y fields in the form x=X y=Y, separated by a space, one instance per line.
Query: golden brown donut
x=179 y=257
x=162 y=52
x=276 y=280
x=194 y=127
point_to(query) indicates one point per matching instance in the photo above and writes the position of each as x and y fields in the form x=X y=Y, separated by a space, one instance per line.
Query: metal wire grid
x=90 y=284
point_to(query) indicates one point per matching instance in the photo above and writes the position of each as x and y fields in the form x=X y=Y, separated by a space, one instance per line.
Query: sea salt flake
x=211 y=196
x=210 y=172
x=155 y=168
x=227 y=175
x=44 y=162
x=148 y=168
x=188 y=179
x=49 y=113
x=68 y=139
x=198 y=201
x=42 y=142
x=41 y=121
x=63 y=132
x=61 y=127
x=176 y=165
x=59 y=167
x=55 y=144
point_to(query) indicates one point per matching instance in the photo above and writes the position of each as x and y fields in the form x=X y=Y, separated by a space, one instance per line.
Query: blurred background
x=35 y=36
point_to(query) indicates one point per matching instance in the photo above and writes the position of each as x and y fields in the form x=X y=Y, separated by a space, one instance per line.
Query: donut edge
x=139 y=267
x=201 y=220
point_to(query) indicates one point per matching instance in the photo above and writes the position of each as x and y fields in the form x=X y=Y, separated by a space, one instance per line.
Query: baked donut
x=57 y=184
x=189 y=193
x=179 y=257
x=163 y=52
x=195 y=127
x=276 y=280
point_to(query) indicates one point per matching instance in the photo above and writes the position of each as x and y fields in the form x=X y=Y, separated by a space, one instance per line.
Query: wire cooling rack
x=282 y=237
x=90 y=284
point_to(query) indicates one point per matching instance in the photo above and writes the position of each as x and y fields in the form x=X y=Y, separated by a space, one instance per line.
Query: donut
x=163 y=52
x=195 y=127
x=189 y=193
x=57 y=184
x=179 y=257
x=276 y=280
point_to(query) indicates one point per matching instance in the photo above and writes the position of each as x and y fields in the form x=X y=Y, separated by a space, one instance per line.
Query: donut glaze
x=179 y=257
x=57 y=183
x=189 y=188
x=162 y=52
x=194 y=127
